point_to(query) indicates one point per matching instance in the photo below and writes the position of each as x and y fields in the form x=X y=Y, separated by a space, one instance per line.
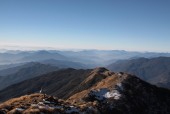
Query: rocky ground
x=44 y=104
x=102 y=92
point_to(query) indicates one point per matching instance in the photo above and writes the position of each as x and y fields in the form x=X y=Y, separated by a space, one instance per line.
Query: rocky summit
x=101 y=92
x=42 y=104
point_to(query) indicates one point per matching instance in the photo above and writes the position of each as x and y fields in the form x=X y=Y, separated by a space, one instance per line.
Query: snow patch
x=104 y=93
x=113 y=94
x=19 y=109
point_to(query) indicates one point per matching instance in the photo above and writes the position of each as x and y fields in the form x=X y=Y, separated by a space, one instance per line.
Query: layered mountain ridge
x=88 y=91
x=155 y=70
x=24 y=72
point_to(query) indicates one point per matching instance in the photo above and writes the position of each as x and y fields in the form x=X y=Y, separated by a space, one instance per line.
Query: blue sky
x=135 y=25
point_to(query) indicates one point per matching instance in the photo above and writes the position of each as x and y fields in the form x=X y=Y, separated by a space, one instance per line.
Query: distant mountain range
x=64 y=64
x=90 y=58
x=154 y=70
x=70 y=75
x=13 y=68
x=93 y=91
x=7 y=66
x=24 y=72
x=43 y=55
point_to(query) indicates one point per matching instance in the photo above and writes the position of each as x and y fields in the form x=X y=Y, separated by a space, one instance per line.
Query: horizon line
x=40 y=48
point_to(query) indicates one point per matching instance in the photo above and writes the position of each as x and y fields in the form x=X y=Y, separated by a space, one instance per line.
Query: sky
x=133 y=25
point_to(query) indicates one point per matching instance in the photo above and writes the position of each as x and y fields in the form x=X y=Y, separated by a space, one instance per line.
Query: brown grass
x=108 y=82
x=21 y=102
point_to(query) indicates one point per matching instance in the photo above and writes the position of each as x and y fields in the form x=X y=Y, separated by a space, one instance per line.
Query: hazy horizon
x=92 y=24
x=20 y=48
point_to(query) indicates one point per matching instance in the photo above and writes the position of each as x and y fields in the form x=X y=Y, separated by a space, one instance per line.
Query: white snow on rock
x=19 y=109
x=105 y=93
x=113 y=94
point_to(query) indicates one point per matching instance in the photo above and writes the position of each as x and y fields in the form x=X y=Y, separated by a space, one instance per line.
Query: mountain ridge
x=29 y=71
x=106 y=92
x=153 y=70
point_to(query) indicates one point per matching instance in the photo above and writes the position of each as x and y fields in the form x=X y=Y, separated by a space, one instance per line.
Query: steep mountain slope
x=59 y=83
x=123 y=93
x=155 y=70
x=101 y=91
x=25 y=72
